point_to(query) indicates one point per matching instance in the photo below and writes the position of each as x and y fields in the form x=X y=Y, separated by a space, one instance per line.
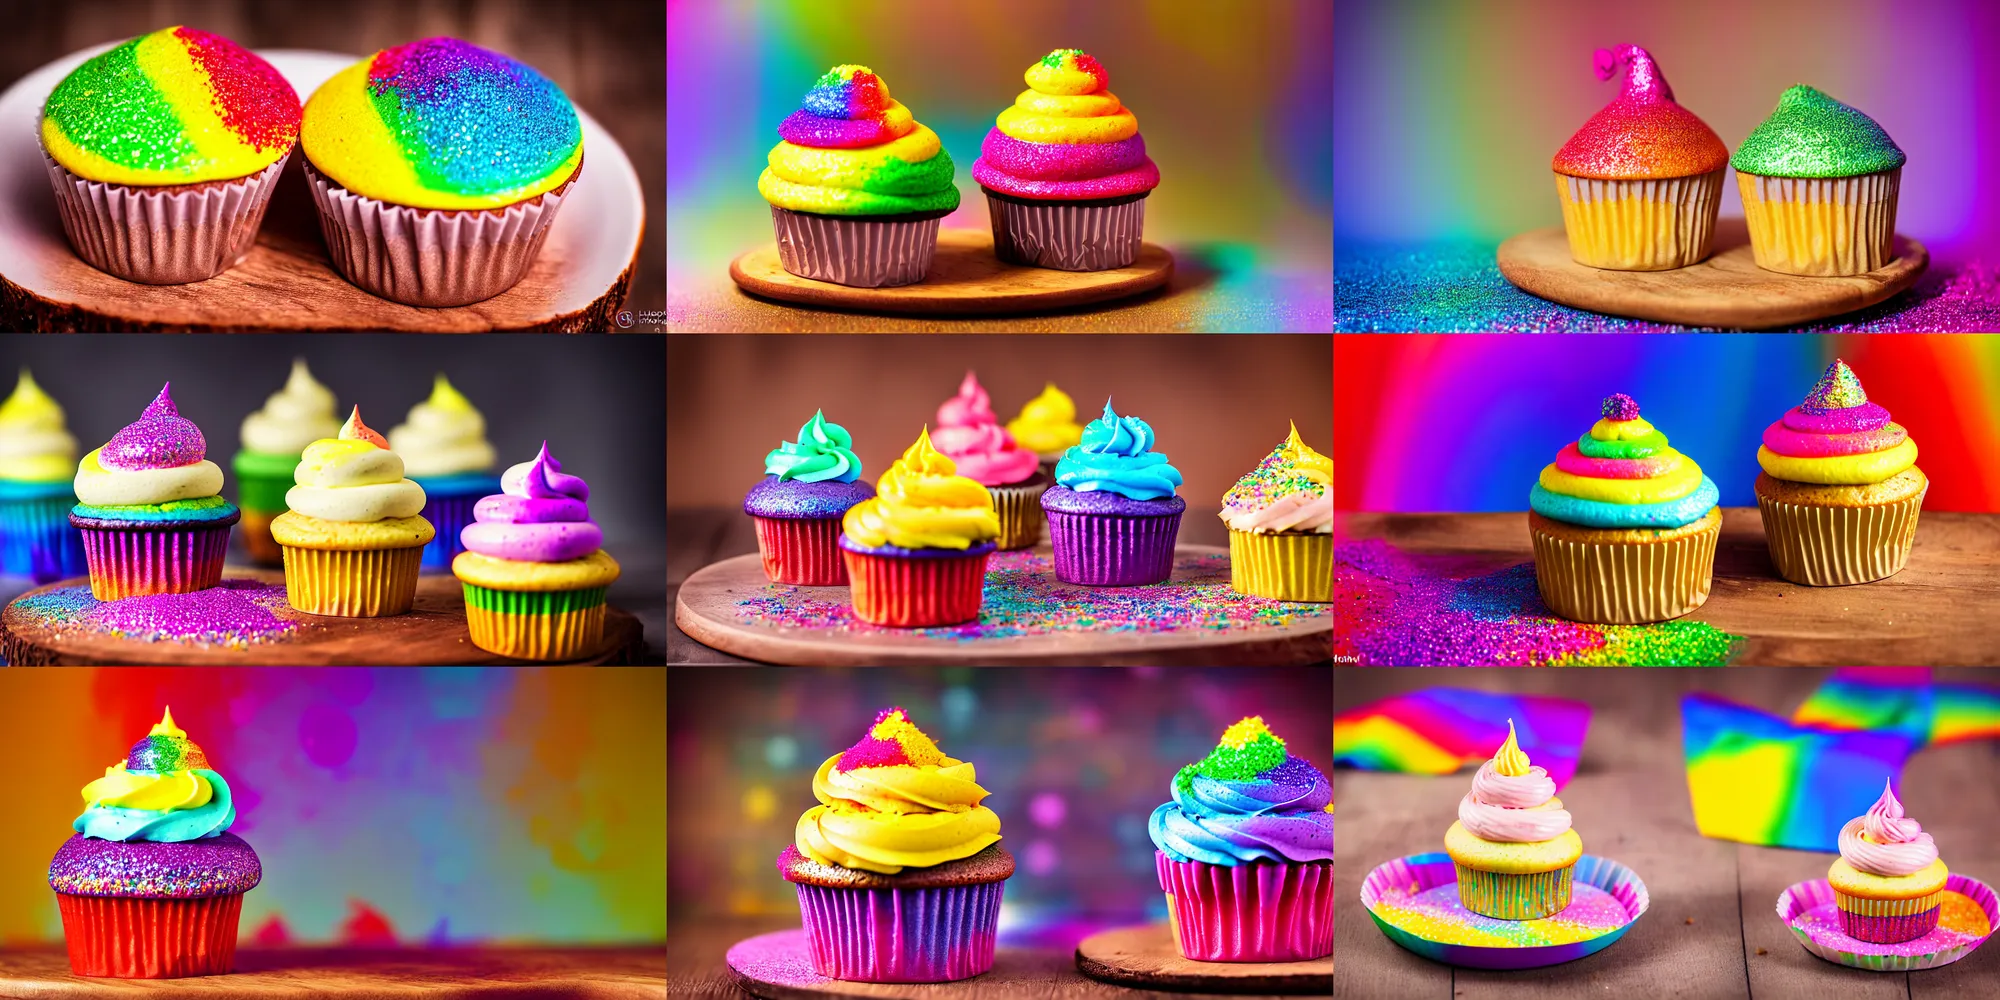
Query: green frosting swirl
x=1813 y=135
x=824 y=452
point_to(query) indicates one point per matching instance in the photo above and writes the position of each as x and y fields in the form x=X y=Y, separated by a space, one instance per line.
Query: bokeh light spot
x=781 y=751
x=1041 y=857
x=759 y=803
x=958 y=704
x=1047 y=810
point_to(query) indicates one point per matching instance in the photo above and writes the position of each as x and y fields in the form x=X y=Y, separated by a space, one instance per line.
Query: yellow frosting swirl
x=1047 y=424
x=34 y=445
x=922 y=503
x=353 y=477
x=161 y=792
x=906 y=815
x=1841 y=470
x=1509 y=760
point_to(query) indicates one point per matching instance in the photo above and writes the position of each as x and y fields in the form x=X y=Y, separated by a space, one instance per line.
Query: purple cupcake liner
x=859 y=252
x=37 y=541
x=901 y=935
x=1108 y=550
x=1066 y=236
x=449 y=515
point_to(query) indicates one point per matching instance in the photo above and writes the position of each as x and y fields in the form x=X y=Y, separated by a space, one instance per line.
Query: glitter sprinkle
x=234 y=614
x=1838 y=388
x=1642 y=133
x=1619 y=406
x=1813 y=135
x=160 y=439
x=196 y=869
x=1437 y=915
x=472 y=121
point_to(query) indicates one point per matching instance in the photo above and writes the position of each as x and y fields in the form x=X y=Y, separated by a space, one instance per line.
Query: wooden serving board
x=368 y=974
x=1727 y=290
x=965 y=278
x=577 y=283
x=1145 y=958
x=432 y=634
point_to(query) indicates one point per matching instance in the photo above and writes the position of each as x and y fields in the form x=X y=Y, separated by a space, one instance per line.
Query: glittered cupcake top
x=923 y=503
x=1622 y=474
x=1116 y=456
x=35 y=446
x=823 y=453
x=851 y=149
x=1066 y=138
x=441 y=123
x=1836 y=437
x=164 y=791
x=1813 y=135
x=1247 y=800
x=178 y=106
x=157 y=458
x=1290 y=490
x=894 y=800
x=1642 y=133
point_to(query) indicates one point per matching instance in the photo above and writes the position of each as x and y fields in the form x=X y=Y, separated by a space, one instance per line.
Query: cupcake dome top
x=894 y=800
x=1067 y=137
x=35 y=446
x=972 y=436
x=1643 y=133
x=177 y=106
x=923 y=503
x=1813 y=135
x=1885 y=841
x=824 y=452
x=353 y=477
x=441 y=123
x=851 y=149
x=1836 y=437
x=1116 y=456
x=1247 y=800
x=1622 y=474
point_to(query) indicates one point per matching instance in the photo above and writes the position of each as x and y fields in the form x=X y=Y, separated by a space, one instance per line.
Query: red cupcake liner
x=129 y=563
x=916 y=591
x=162 y=236
x=124 y=937
x=801 y=551
x=1065 y=236
x=860 y=252
x=1261 y=911
x=1109 y=550
x=1889 y=929
x=901 y=935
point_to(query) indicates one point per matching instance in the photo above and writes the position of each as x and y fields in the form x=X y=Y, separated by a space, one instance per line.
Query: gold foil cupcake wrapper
x=1021 y=518
x=1836 y=546
x=1821 y=226
x=1625 y=583
x=1649 y=225
x=1289 y=566
x=352 y=583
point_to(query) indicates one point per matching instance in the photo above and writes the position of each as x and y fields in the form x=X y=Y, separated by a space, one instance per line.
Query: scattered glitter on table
x=235 y=614
x=1436 y=914
x=1961 y=922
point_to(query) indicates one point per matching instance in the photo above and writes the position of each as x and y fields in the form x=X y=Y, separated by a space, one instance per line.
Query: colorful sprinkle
x=1619 y=406
x=1838 y=388
x=160 y=439
x=233 y=615
x=1437 y=915
x=1246 y=751
x=892 y=740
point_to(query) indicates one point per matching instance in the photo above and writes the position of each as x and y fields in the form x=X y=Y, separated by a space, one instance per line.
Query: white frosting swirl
x=443 y=435
x=1513 y=810
x=1292 y=512
x=293 y=417
x=97 y=486
x=353 y=478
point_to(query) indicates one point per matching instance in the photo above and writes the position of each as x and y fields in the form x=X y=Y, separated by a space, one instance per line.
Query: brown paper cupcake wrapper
x=1021 y=517
x=1624 y=583
x=352 y=583
x=1065 y=236
x=1821 y=225
x=1836 y=546
x=859 y=252
x=157 y=236
x=1651 y=225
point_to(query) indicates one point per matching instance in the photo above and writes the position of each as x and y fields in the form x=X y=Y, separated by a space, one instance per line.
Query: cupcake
x=1840 y=491
x=353 y=537
x=1624 y=526
x=535 y=570
x=37 y=460
x=807 y=488
x=1819 y=182
x=438 y=167
x=152 y=884
x=1280 y=519
x=1065 y=170
x=1113 y=515
x=1640 y=182
x=149 y=509
x=971 y=436
x=164 y=152
x=444 y=449
x=899 y=868
x=1888 y=882
x=1047 y=426
x=1512 y=845
x=293 y=417
x=1245 y=852
x=857 y=185
x=916 y=551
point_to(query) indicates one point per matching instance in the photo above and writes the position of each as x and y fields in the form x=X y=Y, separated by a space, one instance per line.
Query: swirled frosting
x=1512 y=801
x=1622 y=474
x=923 y=503
x=823 y=453
x=35 y=446
x=1116 y=456
x=1066 y=138
x=163 y=791
x=542 y=514
x=153 y=460
x=353 y=477
x=1290 y=490
x=1643 y=132
x=895 y=801
x=1248 y=800
x=971 y=435
x=1885 y=841
x=1047 y=424
x=293 y=417
x=1813 y=135
x=443 y=435
x=1836 y=437
x=851 y=149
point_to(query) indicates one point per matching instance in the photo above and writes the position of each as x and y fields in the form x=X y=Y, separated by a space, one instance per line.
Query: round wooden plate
x=1145 y=957
x=778 y=966
x=578 y=282
x=965 y=278
x=1727 y=290
x=707 y=610
x=433 y=634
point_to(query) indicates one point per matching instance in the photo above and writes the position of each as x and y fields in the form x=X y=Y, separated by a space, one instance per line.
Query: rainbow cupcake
x=1512 y=844
x=293 y=417
x=164 y=152
x=807 y=488
x=149 y=509
x=438 y=167
x=353 y=537
x=445 y=451
x=535 y=570
x=1280 y=519
x=1113 y=515
x=971 y=436
x=1888 y=882
x=1819 y=182
x=1047 y=426
x=1840 y=492
x=37 y=460
x=916 y=551
x=1624 y=526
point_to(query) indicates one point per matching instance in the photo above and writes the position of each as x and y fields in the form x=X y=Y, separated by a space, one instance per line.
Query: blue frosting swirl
x=1117 y=456
x=173 y=826
x=1600 y=514
x=1278 y=816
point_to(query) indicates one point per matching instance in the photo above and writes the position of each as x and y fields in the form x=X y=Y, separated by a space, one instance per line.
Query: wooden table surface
x=1712 y=931
x=1940 y=610
x=369 y=974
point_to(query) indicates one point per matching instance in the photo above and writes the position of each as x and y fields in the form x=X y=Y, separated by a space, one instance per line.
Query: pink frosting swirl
x=541 y=515
x=970 y=435
x=1508 y=809
x=1885 y=841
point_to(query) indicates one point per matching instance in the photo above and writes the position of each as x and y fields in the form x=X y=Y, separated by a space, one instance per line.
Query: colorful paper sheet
x=1903 y=699
x=1441 y=729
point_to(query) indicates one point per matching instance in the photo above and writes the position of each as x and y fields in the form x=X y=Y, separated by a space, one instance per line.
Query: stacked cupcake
x=37 y=459
x=445 y=451
x=292 y=418
x=1512 y=845
x=972 y=437
x=535 y=570
x=148 y=505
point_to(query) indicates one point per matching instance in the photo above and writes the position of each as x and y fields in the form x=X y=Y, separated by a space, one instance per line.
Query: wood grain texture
x=1939 y=610
x=368 y=974
x=1727 y=290
x=965 y=279
x=1712 y=932
x=1145 y=956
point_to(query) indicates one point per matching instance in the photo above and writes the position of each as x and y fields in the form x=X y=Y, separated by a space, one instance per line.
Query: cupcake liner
x=1530 y=896
x=430 y=257
x=162 y=236
x=1649 y=225
x=1021 y=518
x=255 y=530
x=1625 y=583
x=37 y=541
x=130 y=562
x=535 y=625
x=449 y=515
x=125 y=937
x=1821 y=225
x=858 y=251
x=901 y=935
x=803 y=551
x=344 y=583
x=1111 y=550
x=1288 y=566
x=1888 y=921
x=1066 y=236
x=1390 y=890
x=917 y=591
x=1834 y=546
x=1809 y=910
x=1261 y=911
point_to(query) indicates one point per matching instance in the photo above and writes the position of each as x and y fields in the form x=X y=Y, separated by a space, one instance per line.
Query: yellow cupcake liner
x=1836 y=546
x=1288 y=566
x=1625 y=583
x=1867 y=907
x=1021 y=517
x=352 y=583
x=564 y=635
x=1643 y=225
x=1821 y=226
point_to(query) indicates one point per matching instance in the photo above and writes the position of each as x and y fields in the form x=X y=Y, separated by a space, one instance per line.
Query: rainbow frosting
x=1813 y=135
x=1643 y=133
x=851 y=149
x=177 y=106
x=153 y=469
x=1248 y=800
x=1622 y=474
x=1290 y=490
x=1836 y=437
x=1885 y=841
x=1066 y=138
x=894 y=800
x=35 y=446
x=971 y=435
x=1116 y=456
x=1513 y=801
x=923 y=503
x=441 y=123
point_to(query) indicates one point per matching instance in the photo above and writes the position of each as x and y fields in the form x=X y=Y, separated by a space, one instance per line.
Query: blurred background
x=1075 y=759
x=417 y=807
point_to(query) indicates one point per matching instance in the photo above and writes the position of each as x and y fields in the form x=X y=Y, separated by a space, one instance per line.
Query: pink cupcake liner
x=860 y=252
x=162 y=236
x=1110 y=550
x=1889 y=929
x=802 y=551
x=1261 y=911
x=132 y=562
x=902 y=935
x=1066 y=236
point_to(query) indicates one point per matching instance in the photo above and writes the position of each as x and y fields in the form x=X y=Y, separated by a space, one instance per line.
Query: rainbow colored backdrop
x=1465 y=423
x=446 y=806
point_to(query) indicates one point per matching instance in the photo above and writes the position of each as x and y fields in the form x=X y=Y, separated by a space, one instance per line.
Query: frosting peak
x=163 y=791
x=160 y=439
x=1290 y=490
x=444 y=435
x=1047 y=423
x=923 y=503
x=1643 y=133
x=1813 y=135
x=35 y=446
x=1885 y=841
x=1836 y=436
x=354 y=477
x=153 y=460
x=851 y=149
x=1509 y=761
x=1643 y=80
x=893 y=801
x=1116 y=455
x=1511 y=801
x=824 y=452
x=1622 y=474
x=293 y=417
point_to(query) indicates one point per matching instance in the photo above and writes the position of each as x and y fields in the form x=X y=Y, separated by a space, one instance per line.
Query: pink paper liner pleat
x=130 y=563
x=1260 y=911
x=157 y=237
x=802 y=551
x=859 y=252
x=1804 y=897
x=127 y=937
x=901 y=935
x=1108 y=550
x=1067 y=237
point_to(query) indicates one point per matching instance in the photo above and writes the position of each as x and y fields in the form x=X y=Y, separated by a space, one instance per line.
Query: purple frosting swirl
x=541 y=515
x=160 y=439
